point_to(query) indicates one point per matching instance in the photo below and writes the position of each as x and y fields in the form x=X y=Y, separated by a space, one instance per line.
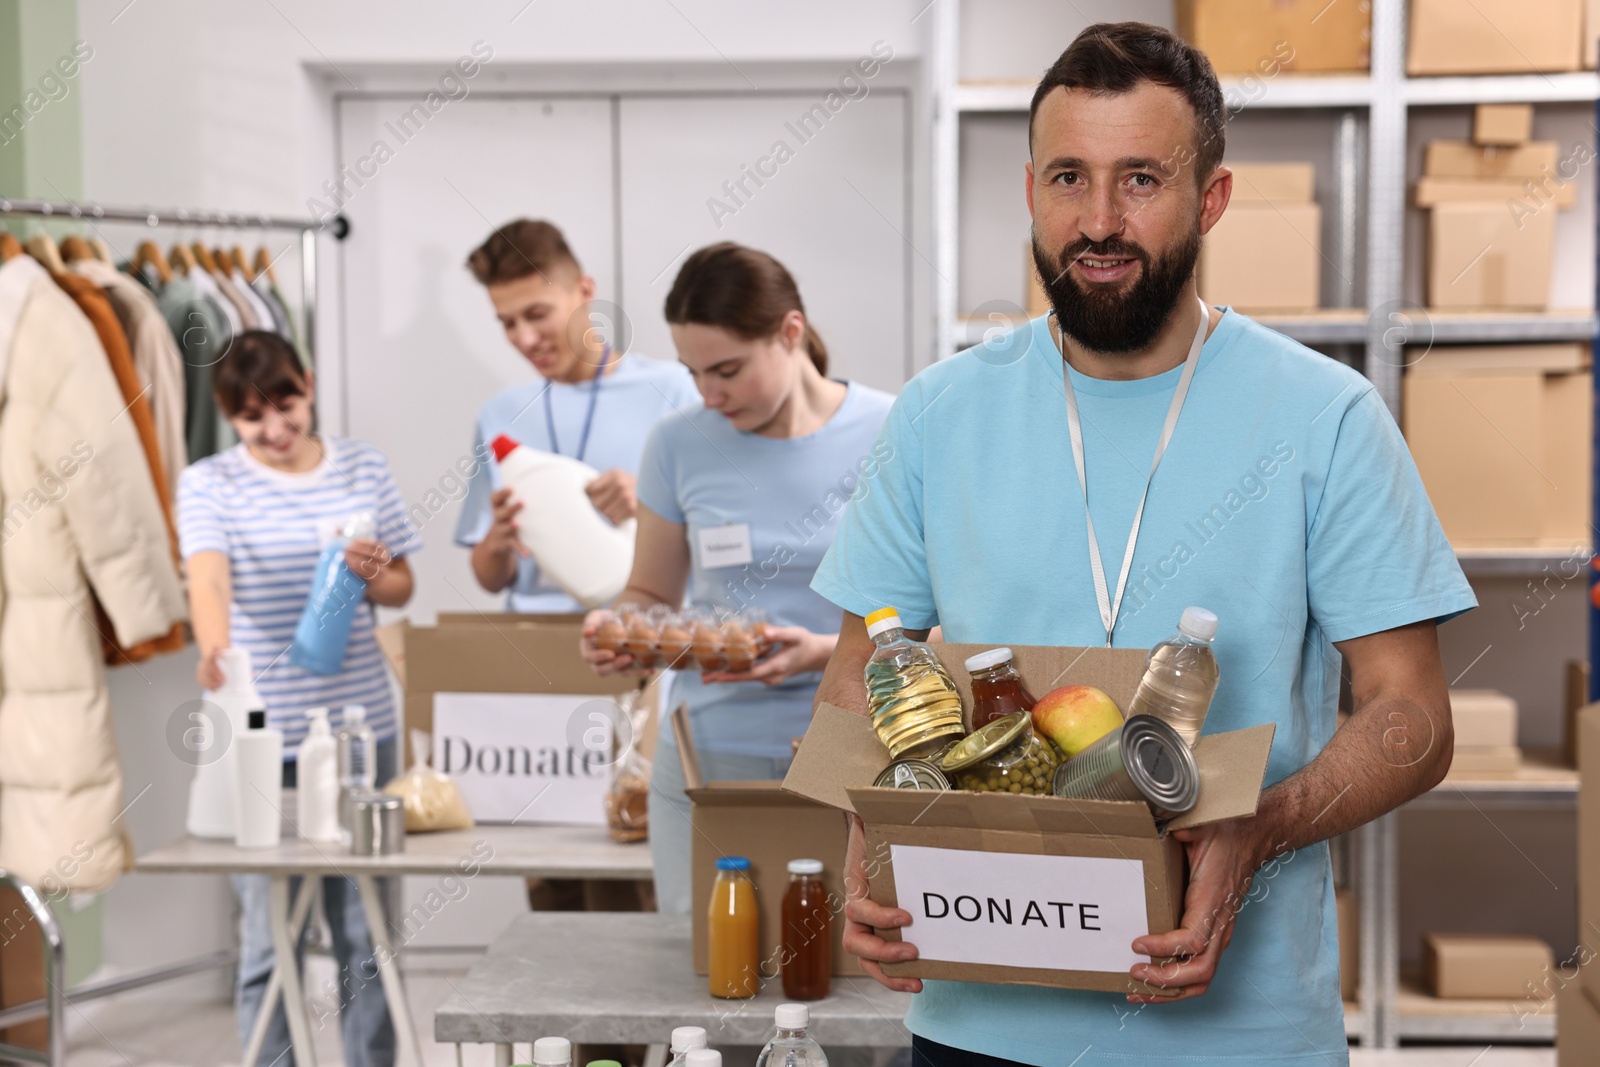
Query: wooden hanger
x=74 y=248
x=10 y=247
x=264 y=264
x=202 y=256
x=183 y=259
x=224 y=262
x=241 y=263
x=149 y=253
x=102 y=251
x=42 y=246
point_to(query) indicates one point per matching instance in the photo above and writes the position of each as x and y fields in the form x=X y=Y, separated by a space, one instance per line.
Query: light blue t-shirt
x=702 y=473
x=1287 y=503
x=632 y=398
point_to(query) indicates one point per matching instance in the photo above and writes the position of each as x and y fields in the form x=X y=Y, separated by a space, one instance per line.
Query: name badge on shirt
x=725 y=546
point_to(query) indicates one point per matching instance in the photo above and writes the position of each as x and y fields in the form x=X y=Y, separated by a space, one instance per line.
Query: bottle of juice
x=807 y=933
x=734 y=931
x=1181 y=676
x=997 y=689
x=915 y=707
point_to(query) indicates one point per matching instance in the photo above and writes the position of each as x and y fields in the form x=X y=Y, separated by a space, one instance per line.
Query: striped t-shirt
x=272 y=525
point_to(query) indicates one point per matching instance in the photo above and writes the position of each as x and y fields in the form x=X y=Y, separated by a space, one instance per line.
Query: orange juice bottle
x=735 y=942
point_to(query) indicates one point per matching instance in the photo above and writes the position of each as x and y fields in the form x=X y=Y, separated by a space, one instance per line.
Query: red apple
x=1075 y=717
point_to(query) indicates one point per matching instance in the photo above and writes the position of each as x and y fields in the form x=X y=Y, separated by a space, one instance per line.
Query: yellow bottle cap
x=881 y=614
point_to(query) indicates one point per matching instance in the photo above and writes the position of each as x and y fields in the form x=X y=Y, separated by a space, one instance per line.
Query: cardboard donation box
x=512 y=711
x=1017 y=889
x=1485 y=966
x=1495 y=36
x=1264 y=254
x=1264 y=37
x=762 y=823
x=1501 y=437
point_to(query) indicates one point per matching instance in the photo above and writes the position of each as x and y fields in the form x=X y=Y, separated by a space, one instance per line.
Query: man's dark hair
x=520 y=248
x=1114 y=57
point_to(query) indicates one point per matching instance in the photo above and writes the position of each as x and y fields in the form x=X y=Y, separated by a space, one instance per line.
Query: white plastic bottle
x=552 y=1052
x=685 y=1039
x=211 y=794
x=574 y=544
x=702 y=1057
x=790 y=1046
x=259 y=795
x=317 y=780
x=1181 y=676
x=358 y=770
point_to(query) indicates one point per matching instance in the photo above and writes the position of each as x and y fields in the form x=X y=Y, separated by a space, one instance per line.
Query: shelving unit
x=1374 y=125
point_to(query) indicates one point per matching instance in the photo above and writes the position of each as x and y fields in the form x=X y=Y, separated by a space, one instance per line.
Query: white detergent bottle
x=317 y=780
x=209 y=745
x=259 y=788
x=573 y=543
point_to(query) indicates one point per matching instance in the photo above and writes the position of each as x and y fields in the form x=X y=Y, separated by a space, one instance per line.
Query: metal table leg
x=286 y=966
x=310 y=889
x=394 y=990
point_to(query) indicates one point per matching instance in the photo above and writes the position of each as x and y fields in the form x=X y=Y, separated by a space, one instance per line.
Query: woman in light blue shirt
x=737 y=504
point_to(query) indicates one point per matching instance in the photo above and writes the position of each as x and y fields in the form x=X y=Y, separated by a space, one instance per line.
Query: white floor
x=150 y=1029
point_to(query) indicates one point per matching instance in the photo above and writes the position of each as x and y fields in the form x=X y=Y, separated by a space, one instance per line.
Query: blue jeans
x=670 y=833
x=365 y=1030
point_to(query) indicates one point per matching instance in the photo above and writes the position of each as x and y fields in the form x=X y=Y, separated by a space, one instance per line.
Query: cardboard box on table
x=1485 y=966
x=759 y=821
x=1264 y=37
x=503 y=698
x=1494 y=36
x=1061 y=887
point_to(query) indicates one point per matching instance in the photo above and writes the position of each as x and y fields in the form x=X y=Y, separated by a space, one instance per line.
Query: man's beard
x=1103 y=320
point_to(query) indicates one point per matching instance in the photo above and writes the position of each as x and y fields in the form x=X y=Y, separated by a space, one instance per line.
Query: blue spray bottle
x=337 y=593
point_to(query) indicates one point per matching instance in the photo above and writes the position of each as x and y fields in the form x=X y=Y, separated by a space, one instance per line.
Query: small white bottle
x=317 y=780
x=258 y=801
x=211 y=794
x=358 y=771
x=790 y=1046
x=685 y=1039
x=702 y=1057
x=552 y=1052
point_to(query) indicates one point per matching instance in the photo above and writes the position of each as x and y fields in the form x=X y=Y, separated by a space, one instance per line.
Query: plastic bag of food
x=628 y=799
x=432 y=800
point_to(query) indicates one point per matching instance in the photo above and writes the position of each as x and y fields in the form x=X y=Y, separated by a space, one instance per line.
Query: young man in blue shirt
x=1246 y=474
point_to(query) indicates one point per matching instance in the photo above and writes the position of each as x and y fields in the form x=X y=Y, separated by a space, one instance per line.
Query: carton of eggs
x=693 y=639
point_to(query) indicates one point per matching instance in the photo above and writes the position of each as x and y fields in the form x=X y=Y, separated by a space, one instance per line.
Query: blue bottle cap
x=733 y=863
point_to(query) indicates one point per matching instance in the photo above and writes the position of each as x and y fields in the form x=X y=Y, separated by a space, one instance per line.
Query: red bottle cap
x=502 y=446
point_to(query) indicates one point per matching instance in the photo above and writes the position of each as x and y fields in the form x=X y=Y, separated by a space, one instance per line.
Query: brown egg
x=740 y=651
x=675 y=642
x=641 y=642
x=762 y=633
x=707 y=647
x=611 y=636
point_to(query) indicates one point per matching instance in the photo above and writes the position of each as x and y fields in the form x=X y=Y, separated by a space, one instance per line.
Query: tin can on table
x=1145 y=760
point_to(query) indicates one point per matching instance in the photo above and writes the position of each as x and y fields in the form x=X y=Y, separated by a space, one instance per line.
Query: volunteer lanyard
x=1109 y=608
x=588 y=420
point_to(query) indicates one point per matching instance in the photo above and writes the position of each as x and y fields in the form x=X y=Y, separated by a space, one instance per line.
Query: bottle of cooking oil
x=915 y=707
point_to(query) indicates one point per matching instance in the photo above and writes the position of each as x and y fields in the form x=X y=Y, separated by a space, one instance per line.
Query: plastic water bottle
x=702 y=1057
x=790 y=1046
x=317 y=780
x=684 y=1040
x=552 y=1052
x=323 y=632
x=358 y=769
x=1181 y=676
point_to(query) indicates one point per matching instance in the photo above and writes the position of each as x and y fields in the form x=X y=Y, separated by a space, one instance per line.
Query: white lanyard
x=1109 y=608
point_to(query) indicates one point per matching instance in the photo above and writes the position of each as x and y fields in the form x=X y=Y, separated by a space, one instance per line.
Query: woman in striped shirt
x=252 y=521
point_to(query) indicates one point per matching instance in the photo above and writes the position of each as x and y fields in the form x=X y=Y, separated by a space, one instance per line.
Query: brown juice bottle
x=997 y=689
x=807 y=933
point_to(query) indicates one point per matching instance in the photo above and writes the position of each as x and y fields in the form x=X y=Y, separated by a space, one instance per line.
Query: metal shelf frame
x=1384 y=99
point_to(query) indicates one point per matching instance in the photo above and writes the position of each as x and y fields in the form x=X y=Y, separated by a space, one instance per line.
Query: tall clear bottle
x=1181 y=676
x=915 y=706
x=791 y=1046
x=358 y=763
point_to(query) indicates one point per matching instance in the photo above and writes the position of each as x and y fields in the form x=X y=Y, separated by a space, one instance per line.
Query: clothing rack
x=338 y=226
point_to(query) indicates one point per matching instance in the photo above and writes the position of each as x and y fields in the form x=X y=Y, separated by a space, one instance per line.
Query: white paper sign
x=525 y=757
x=1072 y=913
x=725 y=546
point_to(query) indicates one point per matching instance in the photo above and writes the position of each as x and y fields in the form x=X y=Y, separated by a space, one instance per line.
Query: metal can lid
x=1160 y=764
x=911 y=774
x=985 y=741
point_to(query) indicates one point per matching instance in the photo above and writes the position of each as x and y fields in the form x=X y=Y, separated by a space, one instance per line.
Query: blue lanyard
x=588 y=420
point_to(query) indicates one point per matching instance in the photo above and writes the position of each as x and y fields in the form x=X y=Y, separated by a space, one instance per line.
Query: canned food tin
x=379 y=825
x=1145 y=760
x=912 y=774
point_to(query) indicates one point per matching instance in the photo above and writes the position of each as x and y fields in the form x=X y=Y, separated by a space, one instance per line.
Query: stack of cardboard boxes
x=1577 y=981
x=1492 y=206
x=1265 y=253
x=1485 y=732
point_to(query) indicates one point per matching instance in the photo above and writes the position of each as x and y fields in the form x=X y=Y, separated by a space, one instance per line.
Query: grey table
x=629 y=979
x=530 y=851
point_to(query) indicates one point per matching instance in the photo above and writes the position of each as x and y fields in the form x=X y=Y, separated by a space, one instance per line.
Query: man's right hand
x=863 y=919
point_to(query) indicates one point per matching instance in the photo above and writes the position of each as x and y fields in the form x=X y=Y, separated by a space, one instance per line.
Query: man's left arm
x=1396 y=745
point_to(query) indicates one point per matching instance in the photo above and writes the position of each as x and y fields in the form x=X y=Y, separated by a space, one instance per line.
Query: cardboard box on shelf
x=1494 y=36
x=1275 y=183
x=1483 y=717
x=1531 y=192
x=1577 y=1025
x=1591 y=33
x=1266 y=36
x=1569 y=358
x=1589 y=842
x=1487 y=966
x=1463 y=159
x=1348 y=909
x=1502 y=124
x=1263 y=257
x=1485 y=759
x=1504 y=454
x=1482 y=255
x=1019 y=859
